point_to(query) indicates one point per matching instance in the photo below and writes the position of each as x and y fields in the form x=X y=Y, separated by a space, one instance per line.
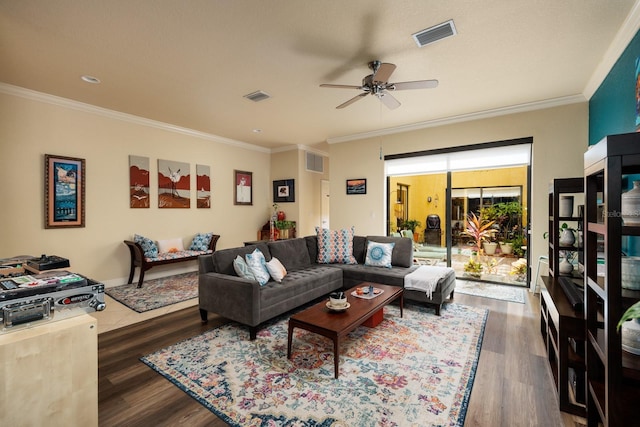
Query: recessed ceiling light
x=256 y=130
x=90 y=79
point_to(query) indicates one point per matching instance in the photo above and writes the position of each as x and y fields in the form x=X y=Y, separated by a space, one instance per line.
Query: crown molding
x=620 y=42
x=521 y=108
x=117 y=115
x=299 y=147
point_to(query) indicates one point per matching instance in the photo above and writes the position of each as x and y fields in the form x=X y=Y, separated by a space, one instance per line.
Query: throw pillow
x=335 y=246
x=276 y=269
x=201 y=242
x=242 y=269
x=256 y=263
x=148 y=246
x=379 y=254
x=170 y=245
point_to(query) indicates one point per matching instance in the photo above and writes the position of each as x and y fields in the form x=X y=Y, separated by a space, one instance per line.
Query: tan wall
x=560 y=137
x=30 y=128
x=310 y=195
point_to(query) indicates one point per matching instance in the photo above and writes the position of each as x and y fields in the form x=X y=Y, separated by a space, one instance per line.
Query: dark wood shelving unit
x=613 y=375
x=557 y=188
x=562 y=328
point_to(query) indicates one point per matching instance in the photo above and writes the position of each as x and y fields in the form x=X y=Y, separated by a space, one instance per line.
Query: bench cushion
x=165 y=256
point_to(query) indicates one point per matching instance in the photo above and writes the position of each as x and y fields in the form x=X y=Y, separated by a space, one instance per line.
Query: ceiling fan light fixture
x=435 y=33
x=257 y=96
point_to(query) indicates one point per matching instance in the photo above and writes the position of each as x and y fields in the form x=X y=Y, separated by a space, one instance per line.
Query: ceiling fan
x=377 y=84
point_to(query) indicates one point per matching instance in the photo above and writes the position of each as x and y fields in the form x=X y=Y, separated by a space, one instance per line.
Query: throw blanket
x=425 y=278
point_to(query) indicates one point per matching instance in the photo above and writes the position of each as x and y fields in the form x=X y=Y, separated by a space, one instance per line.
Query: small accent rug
x=156 y=293
x=490 y=290
x=411 y=371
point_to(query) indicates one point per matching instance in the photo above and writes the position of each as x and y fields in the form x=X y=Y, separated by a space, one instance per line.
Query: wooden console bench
x=139 y=260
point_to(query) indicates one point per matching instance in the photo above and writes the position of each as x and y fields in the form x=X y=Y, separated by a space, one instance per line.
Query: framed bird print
x=64 y=192
x=174 y=184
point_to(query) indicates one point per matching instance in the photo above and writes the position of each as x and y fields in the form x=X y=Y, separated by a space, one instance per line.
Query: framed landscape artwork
x=138 y=182
x=284 y=191
x=357 y=186
x=64 y=192
x=203 y=186
x=174 y=184
x=243 y=188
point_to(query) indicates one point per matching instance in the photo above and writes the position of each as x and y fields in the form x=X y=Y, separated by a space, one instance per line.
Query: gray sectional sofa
x=222 y=291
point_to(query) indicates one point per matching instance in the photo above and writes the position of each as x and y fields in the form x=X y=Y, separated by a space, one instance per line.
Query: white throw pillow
x=170 y=245
x=256 y=263
x=276 y=269
x=242 y=269
x=379 y=254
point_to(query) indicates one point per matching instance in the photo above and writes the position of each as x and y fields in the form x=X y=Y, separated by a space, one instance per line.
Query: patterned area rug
x=157 y=293
x=411 y=371
x=490 y=290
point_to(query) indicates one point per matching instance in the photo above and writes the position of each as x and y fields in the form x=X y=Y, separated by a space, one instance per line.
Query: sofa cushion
x=201 y=242
x=257 y=265
x=223 y=258
x=379 y=254
x=276 y=269
x=242 y=269
x=356 y=274
x=359 y=248
x=148 y=246
x=292 y=253
x=402 y=255
x=335 y=246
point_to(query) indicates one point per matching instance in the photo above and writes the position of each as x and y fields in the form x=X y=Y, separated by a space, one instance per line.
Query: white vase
x=566 y=206
x=630 y=202
x=565 y=267
x=567 y=238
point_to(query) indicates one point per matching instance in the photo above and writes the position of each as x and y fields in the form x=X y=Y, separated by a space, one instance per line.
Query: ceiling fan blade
x=352 y=100
x=341 y=86
x=384 y=72
x=388 y=100
x=418 y=84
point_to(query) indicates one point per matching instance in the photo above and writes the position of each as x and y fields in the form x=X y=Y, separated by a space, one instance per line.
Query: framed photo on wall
x=243 y=188
x=357 y=186
x=284 y=191
x=64 y=192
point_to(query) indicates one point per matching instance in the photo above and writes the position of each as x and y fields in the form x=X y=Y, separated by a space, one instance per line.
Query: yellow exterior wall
x=421 y=187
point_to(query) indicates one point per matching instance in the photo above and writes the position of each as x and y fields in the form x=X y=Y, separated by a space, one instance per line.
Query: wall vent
x=258 y=96
x=435 y=33
x=315 y=162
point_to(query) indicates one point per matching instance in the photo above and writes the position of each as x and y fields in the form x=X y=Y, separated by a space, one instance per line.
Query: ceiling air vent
x=315 y=162
x=435 y=33
x=258 y=96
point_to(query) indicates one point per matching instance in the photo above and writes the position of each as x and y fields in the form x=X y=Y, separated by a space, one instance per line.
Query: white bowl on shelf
x=630 y=334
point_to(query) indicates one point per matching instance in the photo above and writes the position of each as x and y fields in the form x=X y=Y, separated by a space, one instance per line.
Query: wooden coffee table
x=335 y=325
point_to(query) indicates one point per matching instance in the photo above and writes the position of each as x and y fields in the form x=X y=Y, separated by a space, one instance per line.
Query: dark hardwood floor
x=513 y=385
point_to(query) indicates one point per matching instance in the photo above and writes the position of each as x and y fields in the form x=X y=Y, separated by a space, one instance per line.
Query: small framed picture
x=284 y=191
x=243 y=188
x=357 y=186
x=64 y=191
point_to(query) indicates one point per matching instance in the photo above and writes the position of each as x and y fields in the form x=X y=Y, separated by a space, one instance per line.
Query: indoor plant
x=284 y=227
